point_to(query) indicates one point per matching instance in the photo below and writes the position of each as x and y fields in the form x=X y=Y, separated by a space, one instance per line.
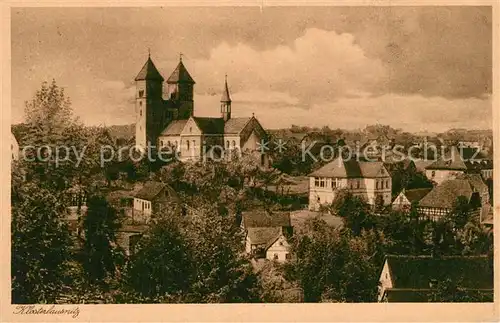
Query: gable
x=191 y=128
x=252 y=126
x=401 y=199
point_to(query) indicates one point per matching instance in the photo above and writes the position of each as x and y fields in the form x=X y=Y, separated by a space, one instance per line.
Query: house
x=153 y=198
x=269 y=243
x=414 y=278
x=441 y=200
x=406 y=198
x=170 y=123
x=483 y=167
x=14 y=147
x=368 y=180
x=446 y=167
x=266 y=234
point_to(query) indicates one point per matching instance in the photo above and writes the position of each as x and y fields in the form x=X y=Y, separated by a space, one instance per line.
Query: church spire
x=225 y=102
x=225 y=93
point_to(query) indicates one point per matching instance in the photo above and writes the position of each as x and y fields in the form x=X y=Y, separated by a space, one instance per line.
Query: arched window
x=161 y=143
x=227 y=144
x=168 y=143
x=233 y=143
x=187 y=141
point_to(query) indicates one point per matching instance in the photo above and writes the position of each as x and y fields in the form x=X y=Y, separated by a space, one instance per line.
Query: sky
x=414 y=68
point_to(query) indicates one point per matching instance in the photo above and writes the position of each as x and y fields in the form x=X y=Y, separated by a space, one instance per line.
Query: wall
x=372 y=191
x=281 y=248
x=143 y=206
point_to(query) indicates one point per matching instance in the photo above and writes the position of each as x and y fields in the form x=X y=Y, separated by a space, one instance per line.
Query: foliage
x=40 y=245
x=451 y=291
x=161 y=264
x=99 y=253
x=356 y=213
x=333 y=266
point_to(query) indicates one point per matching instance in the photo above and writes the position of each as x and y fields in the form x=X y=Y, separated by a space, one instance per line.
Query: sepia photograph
x=207 y=155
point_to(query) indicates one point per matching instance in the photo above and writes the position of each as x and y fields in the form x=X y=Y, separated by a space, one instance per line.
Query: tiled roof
x=149 y=72
x=264 y=219
x=210 y=125
x=150 y=190
x=180 y=75
x=265 y=236
x=351 y=169
x=446 y=194
x=236 y=125
x=452 y=161
x=174 y=128
x=416 y=194
x=416 y=272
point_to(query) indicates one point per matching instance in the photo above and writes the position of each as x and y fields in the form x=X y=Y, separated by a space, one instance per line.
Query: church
x=165 y=118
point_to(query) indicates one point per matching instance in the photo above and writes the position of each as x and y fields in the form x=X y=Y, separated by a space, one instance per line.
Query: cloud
x=319 y=66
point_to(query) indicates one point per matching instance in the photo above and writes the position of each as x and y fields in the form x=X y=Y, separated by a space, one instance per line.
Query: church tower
x=148 y=102
x=180 y=90
x=225 y=102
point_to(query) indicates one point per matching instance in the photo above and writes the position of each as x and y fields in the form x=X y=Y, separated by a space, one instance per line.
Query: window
x=140 y=112
x=275 y=256
x=288 y=256
x=357 y=183
x=233 y=143
x=227 y=144
x=161 y=143
x=322 y=182
x=319 y=199
x=168 y=143
x=190 y=129
x=387 y=184
x=281 y=243
x=141 y=93
x=376 y=184
x=334 y=182
x=140 y=103
x=316 y=181
x=187 y=142
x=433 y=173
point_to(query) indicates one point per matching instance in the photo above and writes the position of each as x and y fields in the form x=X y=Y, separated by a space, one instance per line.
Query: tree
x=223 y=274
x=332 y=265
x=99 y=253
x=355 y=212
x=451 y=291
x=40 y=245
x=52 y=129
x=162 y=264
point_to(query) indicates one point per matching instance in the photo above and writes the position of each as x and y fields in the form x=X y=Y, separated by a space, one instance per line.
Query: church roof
x=236 y=125
x=210 y=125
x=174 y=128
x=149 y=72
x=180 y=75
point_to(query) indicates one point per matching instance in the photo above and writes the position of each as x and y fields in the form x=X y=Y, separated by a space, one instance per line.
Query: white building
x=447 y=167
x=368 y=180
x=154 y=197
x=266 y=234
